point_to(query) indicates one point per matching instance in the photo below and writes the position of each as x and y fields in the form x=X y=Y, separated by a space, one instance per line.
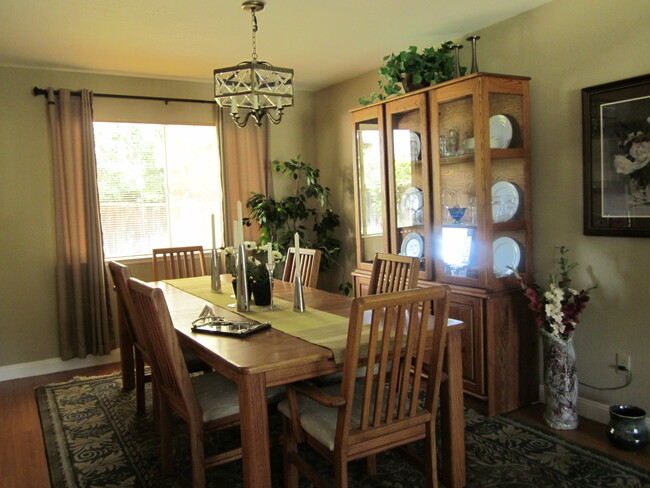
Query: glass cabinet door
x=370 y=185
x=508 y=181
x=459 y=239
x=409 y=179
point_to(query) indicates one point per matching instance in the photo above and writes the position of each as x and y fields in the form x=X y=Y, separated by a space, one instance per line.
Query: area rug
x=94 y=438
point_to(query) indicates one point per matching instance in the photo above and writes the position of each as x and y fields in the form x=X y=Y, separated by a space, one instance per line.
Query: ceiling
x=325 y=41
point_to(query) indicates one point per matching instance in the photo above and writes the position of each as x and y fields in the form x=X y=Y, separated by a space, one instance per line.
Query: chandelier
x=254 y=88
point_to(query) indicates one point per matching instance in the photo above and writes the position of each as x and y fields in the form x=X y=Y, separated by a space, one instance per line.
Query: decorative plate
x=500 y=131
x=416 y=146
x=505 y=201
x=413 y=245
x=506 y=252
x=411 y=201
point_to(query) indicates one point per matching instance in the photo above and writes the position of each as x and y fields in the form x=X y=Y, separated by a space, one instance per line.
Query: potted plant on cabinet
x=412 y=70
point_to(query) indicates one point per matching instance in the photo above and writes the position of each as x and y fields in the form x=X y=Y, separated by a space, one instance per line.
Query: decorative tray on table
x=209 y=323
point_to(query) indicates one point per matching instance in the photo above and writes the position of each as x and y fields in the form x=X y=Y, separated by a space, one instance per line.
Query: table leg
x=453 y=415
x=126 y=352
x=256 y=457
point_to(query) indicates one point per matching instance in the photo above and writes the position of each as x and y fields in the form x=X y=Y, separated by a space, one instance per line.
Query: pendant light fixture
x=254 y=88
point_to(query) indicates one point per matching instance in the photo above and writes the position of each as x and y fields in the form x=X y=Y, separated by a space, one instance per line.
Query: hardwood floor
x=22 y=454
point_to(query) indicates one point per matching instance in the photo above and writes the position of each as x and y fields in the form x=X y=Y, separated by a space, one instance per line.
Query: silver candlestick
x=473 y=40
x=243 y=303
x=270 y=267
x=298 y=295
x=215 y=272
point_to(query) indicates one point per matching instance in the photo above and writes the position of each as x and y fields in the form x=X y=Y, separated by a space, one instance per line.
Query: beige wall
x=563 y=46
x=27 y=288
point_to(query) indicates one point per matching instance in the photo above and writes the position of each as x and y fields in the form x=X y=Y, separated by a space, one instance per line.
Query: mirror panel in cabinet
x=409 y=183
x=371 y=189
x=458 y=238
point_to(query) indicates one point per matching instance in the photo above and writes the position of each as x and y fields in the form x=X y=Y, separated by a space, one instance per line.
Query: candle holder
x=243 y=300
x=215 y=272
x=473 y=40
x=457 y=48
x=298 y=295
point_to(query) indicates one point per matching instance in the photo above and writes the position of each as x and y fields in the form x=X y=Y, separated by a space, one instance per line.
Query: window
x=158 y=185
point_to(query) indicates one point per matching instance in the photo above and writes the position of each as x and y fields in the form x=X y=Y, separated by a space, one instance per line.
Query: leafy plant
x=279 y=220
x=411 y=70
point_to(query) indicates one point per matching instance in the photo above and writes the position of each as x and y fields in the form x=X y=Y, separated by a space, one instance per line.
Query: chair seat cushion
x=320 y=421
x=219 y=398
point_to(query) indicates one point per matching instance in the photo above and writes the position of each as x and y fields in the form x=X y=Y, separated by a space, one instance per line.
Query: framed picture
x=616 y=150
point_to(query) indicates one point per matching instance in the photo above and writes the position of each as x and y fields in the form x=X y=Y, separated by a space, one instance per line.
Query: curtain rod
x=41 y=91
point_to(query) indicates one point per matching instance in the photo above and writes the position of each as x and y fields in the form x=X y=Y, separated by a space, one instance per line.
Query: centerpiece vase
x=560 y=382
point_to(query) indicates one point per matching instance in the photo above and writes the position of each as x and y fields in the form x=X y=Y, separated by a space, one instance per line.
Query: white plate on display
x=413 y=245
x=506 y=252
x=411 y=202
x=500 y=131
x=416 y=146
x=505 y=201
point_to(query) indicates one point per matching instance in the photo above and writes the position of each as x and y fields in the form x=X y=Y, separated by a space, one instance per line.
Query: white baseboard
x=598 y=412
x=54 y=365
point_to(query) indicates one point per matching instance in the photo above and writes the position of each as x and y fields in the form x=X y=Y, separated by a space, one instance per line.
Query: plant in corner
x=309 y=205
x=412 y=70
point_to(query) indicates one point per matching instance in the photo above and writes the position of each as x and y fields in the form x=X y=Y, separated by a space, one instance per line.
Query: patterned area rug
x=94 y=439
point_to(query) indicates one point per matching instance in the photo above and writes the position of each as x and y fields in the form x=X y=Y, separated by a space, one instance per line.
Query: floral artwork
x=616 y=150
x=632 y=161
x=557 y=308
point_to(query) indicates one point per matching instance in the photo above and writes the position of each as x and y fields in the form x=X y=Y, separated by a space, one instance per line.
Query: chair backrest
x=178 y=262
x=170 y=371
x=309 y=266
x=393 y=272
x=398 y=334
x=121 y=274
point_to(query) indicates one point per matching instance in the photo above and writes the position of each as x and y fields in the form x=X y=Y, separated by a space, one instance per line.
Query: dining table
x=299 y=345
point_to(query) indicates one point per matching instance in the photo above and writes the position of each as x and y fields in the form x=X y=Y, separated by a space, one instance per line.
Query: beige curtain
x=245 y=169
x=85 y=324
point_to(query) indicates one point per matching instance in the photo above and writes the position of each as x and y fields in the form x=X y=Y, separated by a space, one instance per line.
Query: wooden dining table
x=272 y=357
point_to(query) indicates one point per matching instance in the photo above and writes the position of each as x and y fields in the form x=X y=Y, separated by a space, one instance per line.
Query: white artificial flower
x=276 y=255
x=250 y=245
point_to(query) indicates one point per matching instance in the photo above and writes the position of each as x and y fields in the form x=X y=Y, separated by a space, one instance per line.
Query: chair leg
x=198 y=456
x=165 y=420
x=340 y=470
x=289 y=448
x=430 y=461
x=371 y=465
x=139 y=383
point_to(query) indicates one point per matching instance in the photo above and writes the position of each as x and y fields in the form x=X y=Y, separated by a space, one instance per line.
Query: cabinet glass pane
x=508 y=182
x=371 y=189
x=408 y=175
x=458 y=189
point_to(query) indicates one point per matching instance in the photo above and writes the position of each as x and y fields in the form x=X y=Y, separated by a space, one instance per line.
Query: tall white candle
x=269 y=253
x=235 y=233
x=214 y=237
x=240 y=218
x=296 y=245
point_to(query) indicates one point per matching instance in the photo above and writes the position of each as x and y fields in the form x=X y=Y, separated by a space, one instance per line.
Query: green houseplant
x=412 y=70
x=308 y=206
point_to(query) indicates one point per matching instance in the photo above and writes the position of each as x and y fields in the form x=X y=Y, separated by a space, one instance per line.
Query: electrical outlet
x=623 y=363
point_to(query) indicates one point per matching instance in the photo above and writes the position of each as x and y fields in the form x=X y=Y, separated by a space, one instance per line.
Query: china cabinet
x=443 y=174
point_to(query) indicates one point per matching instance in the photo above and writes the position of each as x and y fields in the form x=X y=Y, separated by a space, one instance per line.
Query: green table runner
x=315 y=326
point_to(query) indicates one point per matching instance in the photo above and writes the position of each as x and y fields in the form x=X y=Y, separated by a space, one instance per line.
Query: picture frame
x=616 y=153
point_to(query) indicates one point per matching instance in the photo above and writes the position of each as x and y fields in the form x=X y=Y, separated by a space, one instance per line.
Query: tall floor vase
x=560 y=383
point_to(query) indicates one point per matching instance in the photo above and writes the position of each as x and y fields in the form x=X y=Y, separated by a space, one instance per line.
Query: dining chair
x=120 y=275
x=178 y=262
x=205 y=402
x=393 y=272
x=383 y=409
x=309 y=266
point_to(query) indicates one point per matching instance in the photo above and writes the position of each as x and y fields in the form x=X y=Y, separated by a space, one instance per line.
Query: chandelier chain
x=254 y=31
